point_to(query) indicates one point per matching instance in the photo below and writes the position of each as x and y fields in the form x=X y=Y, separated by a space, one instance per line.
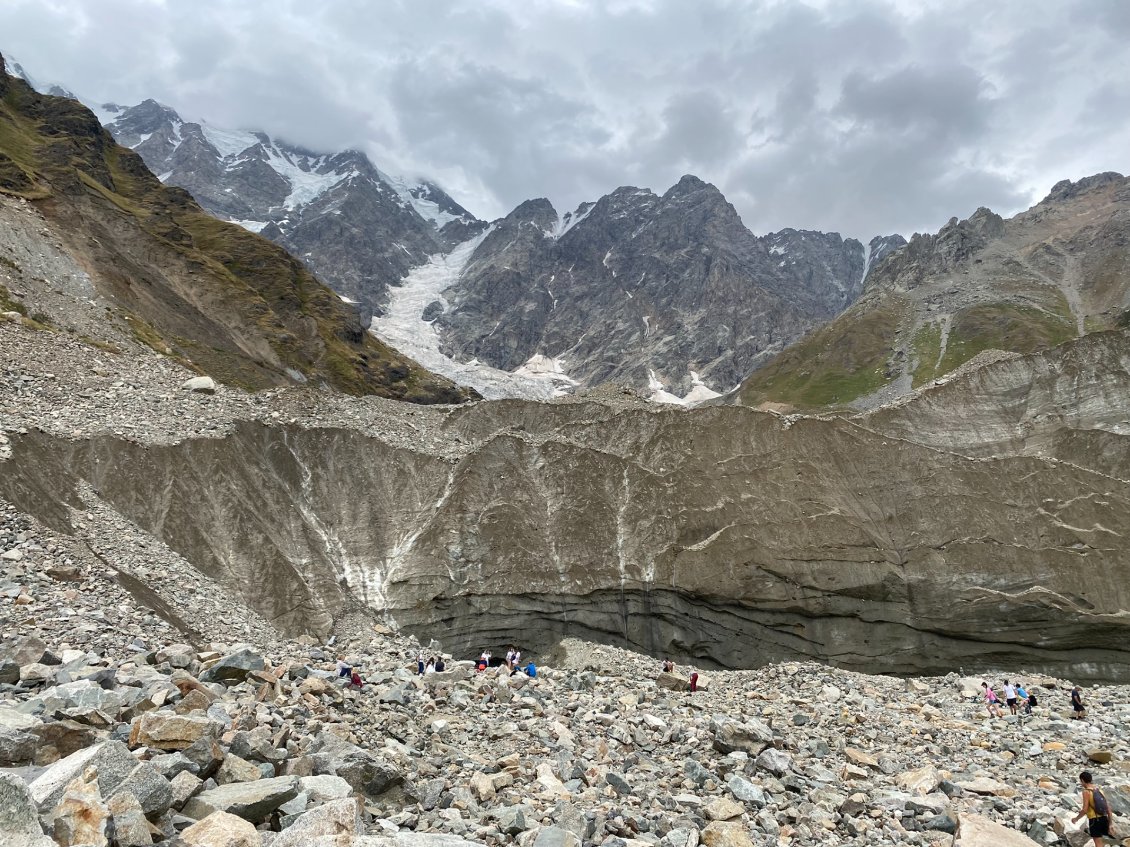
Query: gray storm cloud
x=864 y=117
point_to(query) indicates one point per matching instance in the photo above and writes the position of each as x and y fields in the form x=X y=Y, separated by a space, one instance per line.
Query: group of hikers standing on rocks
x=1022 y=701
x=513 y=662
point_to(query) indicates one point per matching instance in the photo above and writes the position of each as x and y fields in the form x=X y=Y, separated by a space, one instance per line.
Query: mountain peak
x=539 y=211
x=1065 y=189
x=690 y=186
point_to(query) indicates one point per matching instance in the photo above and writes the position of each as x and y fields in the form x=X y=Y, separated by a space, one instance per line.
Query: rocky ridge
x=1054 y=272
x=354 y=226
x=669 y=292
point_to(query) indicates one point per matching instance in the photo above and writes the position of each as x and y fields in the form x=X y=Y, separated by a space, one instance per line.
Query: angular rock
x=221 y=829
x=751 y=736
x=81 y=817
x=977 y=831
x=775 y=761
x=922 y=781
x=323 y=788
x=338 y=819
x=235 y=769
x=746 y=791
x=184 y=787
x=16 y=747
x=252 y=801
x=111 y=759
x=19 y=818
x=59 y=739
x=726 y=834
x=673 y=682
x=129 y=825
x=722 y=809
x=170 y=731
x=234 y=667
x=152 y=790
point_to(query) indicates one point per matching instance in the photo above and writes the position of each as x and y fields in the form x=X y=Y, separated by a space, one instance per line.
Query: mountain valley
x=877 y=474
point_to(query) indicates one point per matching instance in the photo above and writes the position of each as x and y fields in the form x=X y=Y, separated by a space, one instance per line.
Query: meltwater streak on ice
x=403 y=329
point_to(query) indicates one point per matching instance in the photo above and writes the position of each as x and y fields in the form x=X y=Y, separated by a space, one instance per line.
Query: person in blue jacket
x=531 y=671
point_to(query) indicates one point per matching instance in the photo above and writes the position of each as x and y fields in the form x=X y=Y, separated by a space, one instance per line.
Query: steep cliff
x=892 y=542
x=667 y=292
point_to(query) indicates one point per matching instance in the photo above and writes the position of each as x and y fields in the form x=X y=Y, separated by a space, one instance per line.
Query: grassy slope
x=842 y=360
x=232 y=302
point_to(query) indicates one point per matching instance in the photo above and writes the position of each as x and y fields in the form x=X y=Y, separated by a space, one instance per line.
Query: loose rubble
x=117 y=733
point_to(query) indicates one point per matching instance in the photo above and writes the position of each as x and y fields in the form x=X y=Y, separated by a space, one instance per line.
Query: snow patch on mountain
x=569 y=220
x=403 y=328
x=228 y=142
x=700 y=392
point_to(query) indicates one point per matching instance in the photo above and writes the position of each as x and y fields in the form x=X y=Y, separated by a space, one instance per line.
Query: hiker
x=484 y=659
x=343 y=668
x=355 y=679
x=694 y=682
x=1095 y=807
x=441 y=665
x=430 y=667
x=1077 y=704
x=668 y=666
x=531 y=670
x=1032 y=701
x=1024 y=697
x=992 y=702
x=1010 y=696
x=515 y=662
x=420 y=664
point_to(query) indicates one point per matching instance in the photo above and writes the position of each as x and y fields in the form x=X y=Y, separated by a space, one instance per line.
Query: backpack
x=1098 y=801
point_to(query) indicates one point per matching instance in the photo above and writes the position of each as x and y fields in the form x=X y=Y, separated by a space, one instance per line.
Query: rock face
x=889 y=541
x=356 y=227
x=668 y=292
x=1052 y=273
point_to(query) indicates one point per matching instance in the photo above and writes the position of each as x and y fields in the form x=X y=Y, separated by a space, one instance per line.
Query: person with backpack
x=1080 y=711
x=1096 y=809
x=992 y=701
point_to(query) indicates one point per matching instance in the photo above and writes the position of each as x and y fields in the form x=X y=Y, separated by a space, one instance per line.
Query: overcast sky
x=861 y=116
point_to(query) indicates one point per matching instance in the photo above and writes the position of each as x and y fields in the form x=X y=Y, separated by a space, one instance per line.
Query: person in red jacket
x=694 y=682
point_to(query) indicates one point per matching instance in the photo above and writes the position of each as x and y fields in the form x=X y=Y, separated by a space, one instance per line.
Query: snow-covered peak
x=15 y=69
x=428 y=200
x=228 y=142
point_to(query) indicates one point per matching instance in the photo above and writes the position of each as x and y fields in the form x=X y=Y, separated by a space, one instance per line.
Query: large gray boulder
x=750 y=736
x=19 y=818
x=112 y=759
x=252 y=801
x=234 y=667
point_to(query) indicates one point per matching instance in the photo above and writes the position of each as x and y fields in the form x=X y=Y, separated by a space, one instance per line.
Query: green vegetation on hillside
x=838 y=363
x=926 y=347
x=1003 y=326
